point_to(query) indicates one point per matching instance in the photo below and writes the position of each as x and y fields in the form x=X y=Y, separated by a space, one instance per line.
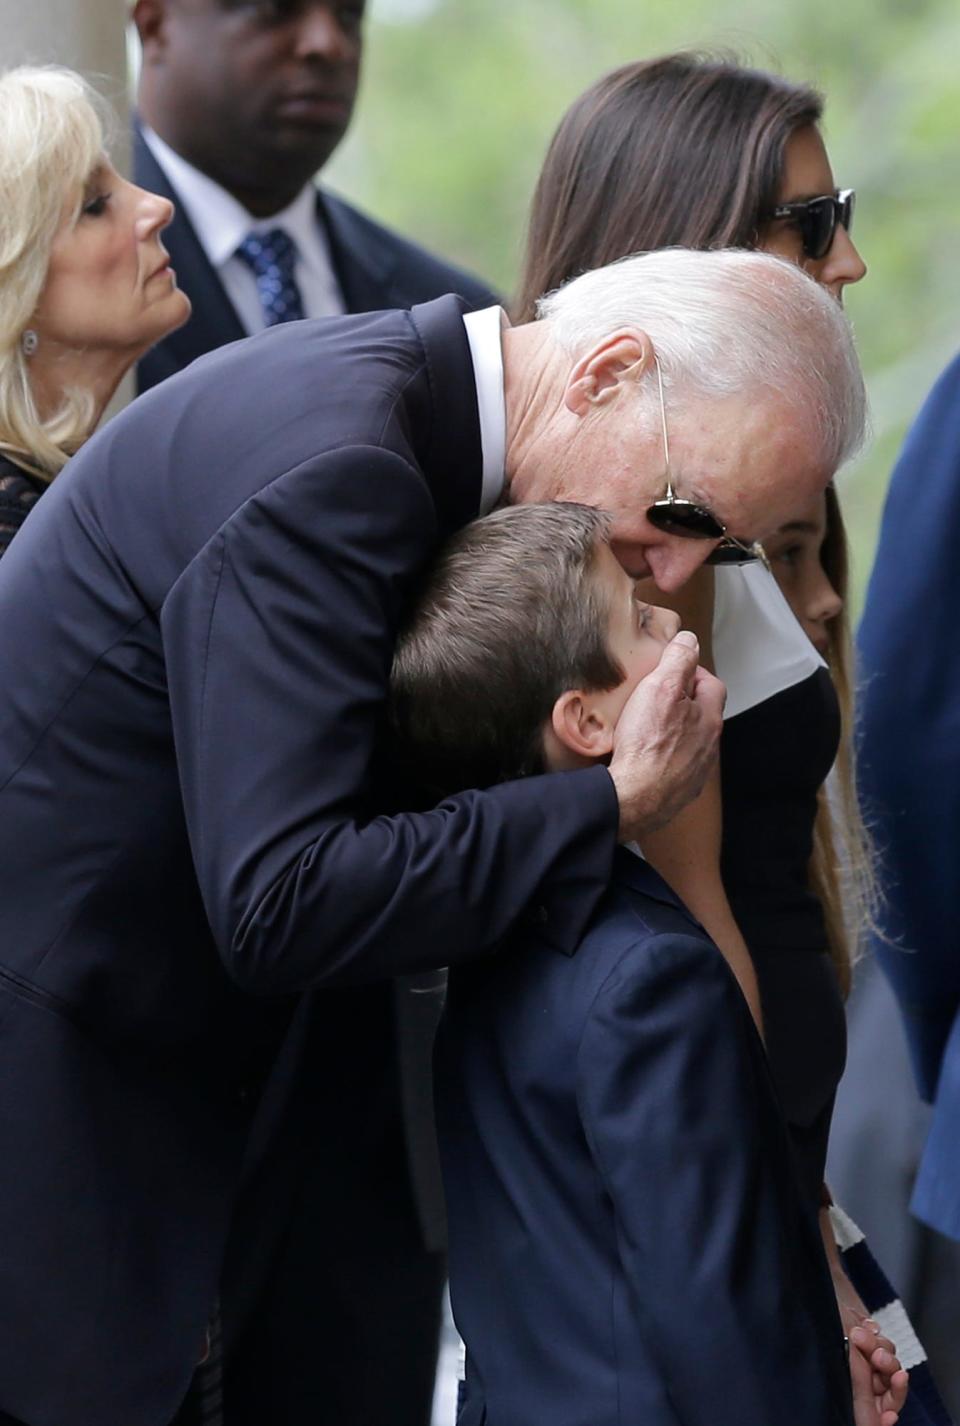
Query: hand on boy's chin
x=666 y=739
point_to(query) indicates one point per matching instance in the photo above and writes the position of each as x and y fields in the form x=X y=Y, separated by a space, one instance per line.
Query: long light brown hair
x=688 y=150
x=842 y=869
x=682 y=151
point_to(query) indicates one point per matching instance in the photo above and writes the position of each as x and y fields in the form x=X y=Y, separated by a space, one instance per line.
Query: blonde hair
x=52 y=132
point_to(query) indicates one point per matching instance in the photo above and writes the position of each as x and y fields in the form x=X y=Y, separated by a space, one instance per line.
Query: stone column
x=89 y=36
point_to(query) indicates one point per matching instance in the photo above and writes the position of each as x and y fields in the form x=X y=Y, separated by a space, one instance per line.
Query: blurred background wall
x=85 y=34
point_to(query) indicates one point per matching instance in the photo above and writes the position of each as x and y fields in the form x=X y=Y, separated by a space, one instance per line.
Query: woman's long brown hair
x=842 y=868
x=688 y=151
x=681 y=151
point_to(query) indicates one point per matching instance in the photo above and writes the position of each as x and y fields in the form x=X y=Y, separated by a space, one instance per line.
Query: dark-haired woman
x=699 y=152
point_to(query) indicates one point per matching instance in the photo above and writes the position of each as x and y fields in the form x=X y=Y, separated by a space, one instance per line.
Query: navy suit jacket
x=375 y=268
x=196 y=630
x=628 y=1245
x=910 y=771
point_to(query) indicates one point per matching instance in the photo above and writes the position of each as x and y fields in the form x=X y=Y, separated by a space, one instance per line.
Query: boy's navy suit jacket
x=196 y=632
x=627 y=1241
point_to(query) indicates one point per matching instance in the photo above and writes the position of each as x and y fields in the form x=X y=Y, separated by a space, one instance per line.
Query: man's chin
x=306 y=140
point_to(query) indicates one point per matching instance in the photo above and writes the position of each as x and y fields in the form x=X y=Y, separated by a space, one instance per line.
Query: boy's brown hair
x=509 y=617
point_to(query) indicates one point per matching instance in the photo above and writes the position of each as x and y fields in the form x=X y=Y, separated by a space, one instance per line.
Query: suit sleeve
x=720 y=1259
x=910 y=727
x=278 y=641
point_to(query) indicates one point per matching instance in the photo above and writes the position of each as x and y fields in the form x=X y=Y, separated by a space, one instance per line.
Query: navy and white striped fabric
x=924 y=1406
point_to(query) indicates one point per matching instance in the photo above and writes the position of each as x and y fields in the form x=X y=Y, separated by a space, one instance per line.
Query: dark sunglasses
x=817 y=219
x=689 y=520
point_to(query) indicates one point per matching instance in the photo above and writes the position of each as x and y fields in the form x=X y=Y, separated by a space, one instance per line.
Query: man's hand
x=666 y=739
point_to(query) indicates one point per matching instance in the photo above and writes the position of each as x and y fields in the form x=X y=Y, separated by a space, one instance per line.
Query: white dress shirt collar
x=484 y=333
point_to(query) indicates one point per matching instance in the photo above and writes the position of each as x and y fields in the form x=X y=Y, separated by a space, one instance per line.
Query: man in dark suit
x=911 y=776
x=240 y=107
x=196 y=629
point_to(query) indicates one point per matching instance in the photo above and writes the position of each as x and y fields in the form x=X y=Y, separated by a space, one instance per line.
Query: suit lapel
x=365 y=270
x=453 y=460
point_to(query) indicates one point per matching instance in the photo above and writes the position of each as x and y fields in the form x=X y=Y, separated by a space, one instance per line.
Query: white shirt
x=759 y=647
x=221 y=224
x=484 y=331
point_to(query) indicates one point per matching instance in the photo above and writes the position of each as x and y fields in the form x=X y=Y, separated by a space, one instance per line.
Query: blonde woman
x=85 y=284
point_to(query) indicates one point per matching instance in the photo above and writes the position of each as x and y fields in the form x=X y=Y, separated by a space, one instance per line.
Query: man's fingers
x=658 y=699
x=679 y=661
x=665 y=741
x=680 y=672
x=709 y=692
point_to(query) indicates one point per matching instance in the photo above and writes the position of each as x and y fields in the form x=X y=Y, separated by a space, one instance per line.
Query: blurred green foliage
x=460 y=97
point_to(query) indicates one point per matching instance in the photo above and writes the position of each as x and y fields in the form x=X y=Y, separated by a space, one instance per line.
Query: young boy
x=627 y=1245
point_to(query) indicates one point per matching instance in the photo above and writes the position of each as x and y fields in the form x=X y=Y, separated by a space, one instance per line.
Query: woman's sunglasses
x=692 y=521
x=817 y=219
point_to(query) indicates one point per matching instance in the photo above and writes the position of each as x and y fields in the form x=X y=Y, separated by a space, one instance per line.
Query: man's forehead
x=766 y=475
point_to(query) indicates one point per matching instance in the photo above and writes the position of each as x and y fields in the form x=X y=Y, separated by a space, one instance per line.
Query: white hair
x=727 y=323
x=51 y=140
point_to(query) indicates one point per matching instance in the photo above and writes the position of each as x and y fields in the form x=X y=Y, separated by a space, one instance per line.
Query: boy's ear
x=620 y=358
x=582 y=726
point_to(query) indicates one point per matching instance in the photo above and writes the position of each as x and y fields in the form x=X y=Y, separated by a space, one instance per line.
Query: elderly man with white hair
x=194 y=827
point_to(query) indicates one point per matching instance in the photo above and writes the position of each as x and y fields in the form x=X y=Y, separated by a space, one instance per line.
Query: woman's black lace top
x=19 y=492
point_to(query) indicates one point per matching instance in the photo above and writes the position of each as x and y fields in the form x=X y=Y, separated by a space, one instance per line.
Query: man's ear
x=150 y=17
x=581 y=725
x=607 y=368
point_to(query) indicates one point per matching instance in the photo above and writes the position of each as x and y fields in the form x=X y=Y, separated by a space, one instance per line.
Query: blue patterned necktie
x=272 y=257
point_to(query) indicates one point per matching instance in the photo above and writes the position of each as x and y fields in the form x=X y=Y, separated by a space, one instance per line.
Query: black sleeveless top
x=19 y=492
x=775 y=755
